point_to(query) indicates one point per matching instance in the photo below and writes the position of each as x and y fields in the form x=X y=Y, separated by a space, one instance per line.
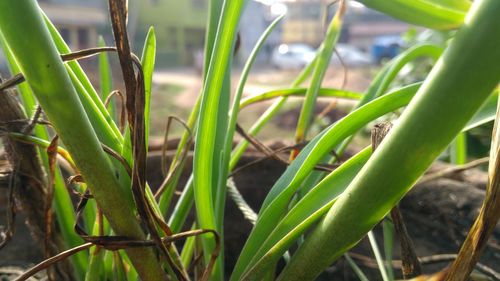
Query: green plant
x=311 y=209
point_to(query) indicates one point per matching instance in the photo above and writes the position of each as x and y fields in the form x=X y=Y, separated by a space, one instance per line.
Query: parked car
x=351 y=56
x=386 y=47
x=292 y=56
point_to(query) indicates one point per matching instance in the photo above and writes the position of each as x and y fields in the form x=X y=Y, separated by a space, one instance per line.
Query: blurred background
x=368 y=39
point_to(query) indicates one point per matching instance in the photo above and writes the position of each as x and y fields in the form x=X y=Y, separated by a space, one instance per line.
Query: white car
x=351 y=56
x=292 y=56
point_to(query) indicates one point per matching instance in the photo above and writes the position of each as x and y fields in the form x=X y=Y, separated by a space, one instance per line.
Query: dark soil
x=437 y=214
x=289 y=118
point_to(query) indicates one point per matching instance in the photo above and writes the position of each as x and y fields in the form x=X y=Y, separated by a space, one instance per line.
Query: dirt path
x=260 y=81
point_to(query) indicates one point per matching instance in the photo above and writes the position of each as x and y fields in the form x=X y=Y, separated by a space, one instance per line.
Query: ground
x=175 y=92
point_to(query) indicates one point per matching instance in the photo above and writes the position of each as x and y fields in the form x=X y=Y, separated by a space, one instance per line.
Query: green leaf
x=486 y=113
x=455 y=89
x=386 y=76
x=233 y=117
x=93 y=105
x=425 y=13
x=204 y=169
x=355 y=268
x=388 y=232
x=268 y=115
x=458 y=149
x=321 y=66
x=304 y=214
x=378 y=256
x=322 y=92
x=276 y=202
x=41 y=65
x=148 y=65
x=106 y=80
x=62 y=202
x=461 y=5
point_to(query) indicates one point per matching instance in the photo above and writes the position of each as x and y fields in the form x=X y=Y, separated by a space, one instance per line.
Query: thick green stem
x=44 y=71
x=62 y=201
x=455 y=89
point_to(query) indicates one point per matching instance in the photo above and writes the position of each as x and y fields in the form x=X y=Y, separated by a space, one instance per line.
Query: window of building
x=83 y=38
x=198 y=4
x=173 y=35
x=311 y=11
x=65 y=33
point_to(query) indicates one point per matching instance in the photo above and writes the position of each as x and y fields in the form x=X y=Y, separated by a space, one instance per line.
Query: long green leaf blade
x=458 y=85
x=322 y=63
x=420 y=12
x=203 y=165
x=106 y=80
x=322 y=92
x=148 y=65
x=43 y=69
x=62 y=201
x=276 y=202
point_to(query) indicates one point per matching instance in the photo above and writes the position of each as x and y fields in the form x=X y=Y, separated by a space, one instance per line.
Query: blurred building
x=78 y=21
x=179 y=28
x=364 y=26
x=303 y=23
x=307 y=20
x=254 y=21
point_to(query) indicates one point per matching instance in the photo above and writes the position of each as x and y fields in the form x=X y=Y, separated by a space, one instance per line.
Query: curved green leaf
x=304 y=214
x=62 y=201
x=106 y=80
x=148 y=65
x=420 y=12
x=455 y=89
x=43 y=69
x=321 y=66
x=322 y=92
x=204 y=170
x=276 y=202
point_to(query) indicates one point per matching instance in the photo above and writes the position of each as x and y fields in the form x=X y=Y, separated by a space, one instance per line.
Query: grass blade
x=355 y=268
x=322 y=92
x=456 y=88
x=148 y=65
x=322 y=63
x=378 y=256
x=268 y=115
x=421 y=12
x=276 y=202
x=486 y=114
x=206 y=137
x=43 y=69
x=305 y=213
x=106 y=80
x=388 y=232
x=458 y=149
x=233 y=116
x=90 y=97
x=62 y=201
x=183 y=206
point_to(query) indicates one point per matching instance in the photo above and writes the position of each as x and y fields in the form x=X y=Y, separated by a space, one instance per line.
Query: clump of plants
x=318 y=209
